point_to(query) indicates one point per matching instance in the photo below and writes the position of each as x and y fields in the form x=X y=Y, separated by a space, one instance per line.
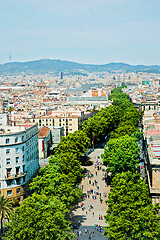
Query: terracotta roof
x=43 y=132
x=42 y=84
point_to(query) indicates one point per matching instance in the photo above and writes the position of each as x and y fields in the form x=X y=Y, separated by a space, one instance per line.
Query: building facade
x=19 y=160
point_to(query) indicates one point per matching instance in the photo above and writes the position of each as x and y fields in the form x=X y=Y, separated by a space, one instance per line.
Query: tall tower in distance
x=10 y=58
x=61 y=75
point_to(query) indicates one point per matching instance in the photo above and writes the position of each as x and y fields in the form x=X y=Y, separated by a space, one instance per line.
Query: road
x=90 y=217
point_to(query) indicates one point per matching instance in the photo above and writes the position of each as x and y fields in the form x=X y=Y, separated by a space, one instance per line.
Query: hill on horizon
x=51 y=65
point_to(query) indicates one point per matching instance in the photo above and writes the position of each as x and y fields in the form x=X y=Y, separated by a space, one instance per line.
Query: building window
x=18 y=181
x=9 y=183
x=17 y=171
x=70 y=119
x=17 y=190
x=8 y=161
x=16 y=139
x=7 y=151
x=9 y=192
x=7 y=140
x=59 y=120
x=17 y=159
x=17 y=150
x=22 y=138
x=60 y=124
x=9 y=172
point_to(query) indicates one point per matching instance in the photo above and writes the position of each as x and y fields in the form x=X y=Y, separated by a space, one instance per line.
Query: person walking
x=93 y=214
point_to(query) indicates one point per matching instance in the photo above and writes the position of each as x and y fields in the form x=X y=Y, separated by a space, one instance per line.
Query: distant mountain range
x=48 y=66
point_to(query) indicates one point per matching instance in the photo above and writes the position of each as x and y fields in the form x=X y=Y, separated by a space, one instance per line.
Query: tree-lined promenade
x=130 y=214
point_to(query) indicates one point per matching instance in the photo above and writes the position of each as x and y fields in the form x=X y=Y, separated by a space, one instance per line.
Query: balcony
x=154 y=190
x=13 y=176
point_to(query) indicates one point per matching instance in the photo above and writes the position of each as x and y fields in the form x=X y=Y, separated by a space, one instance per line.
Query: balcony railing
x=18 y=175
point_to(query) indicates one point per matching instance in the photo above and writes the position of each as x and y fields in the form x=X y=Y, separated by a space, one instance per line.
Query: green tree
x=123 y=130
x=54 y=180
x=101 y=124
x=76 y=143
x=5 y=209
x=39 y=217
x=130 y=213
x=121 y=154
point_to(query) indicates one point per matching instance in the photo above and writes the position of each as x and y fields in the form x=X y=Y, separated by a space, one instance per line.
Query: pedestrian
x=99 y=217
x=96 y=173
x=80 y=233
x=93 y=214
x=85 y=230
x=86 y=212
x=100 y=194
x=93 y=234
x=89 y=237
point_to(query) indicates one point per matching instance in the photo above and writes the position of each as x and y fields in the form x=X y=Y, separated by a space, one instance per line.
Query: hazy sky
x=86 y=31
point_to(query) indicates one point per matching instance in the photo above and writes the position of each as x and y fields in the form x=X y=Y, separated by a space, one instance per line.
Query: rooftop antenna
x=10 y=57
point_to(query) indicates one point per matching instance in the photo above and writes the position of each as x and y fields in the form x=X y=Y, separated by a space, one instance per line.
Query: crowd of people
x=93 y=191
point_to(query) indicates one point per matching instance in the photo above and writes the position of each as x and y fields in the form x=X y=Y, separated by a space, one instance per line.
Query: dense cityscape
x=79 y=155
x=79 y=120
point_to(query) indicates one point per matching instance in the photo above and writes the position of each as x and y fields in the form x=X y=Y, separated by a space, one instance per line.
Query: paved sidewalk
x=90 y=216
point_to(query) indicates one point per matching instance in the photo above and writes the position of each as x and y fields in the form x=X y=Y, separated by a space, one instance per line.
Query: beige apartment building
x=71 y=122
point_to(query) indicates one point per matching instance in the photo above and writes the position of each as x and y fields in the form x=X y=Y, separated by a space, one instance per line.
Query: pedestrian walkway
x=90 y=212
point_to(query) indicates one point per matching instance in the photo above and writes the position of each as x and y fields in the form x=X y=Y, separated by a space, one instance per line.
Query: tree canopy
x=40 y=217
x=130 y=213
x=121 y=154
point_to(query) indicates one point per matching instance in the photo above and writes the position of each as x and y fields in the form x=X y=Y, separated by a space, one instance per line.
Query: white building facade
x=19 y=160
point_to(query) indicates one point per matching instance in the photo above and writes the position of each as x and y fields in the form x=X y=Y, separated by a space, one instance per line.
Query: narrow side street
x=90 y=212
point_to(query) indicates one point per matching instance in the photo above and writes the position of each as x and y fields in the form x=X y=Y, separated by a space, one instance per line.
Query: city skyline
x=89 y=32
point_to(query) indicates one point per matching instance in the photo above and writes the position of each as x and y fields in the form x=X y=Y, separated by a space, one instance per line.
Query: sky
x=84 y=31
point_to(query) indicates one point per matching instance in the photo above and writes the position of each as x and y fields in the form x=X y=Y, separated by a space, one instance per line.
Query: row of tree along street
x=45 y=214
x=130 y=213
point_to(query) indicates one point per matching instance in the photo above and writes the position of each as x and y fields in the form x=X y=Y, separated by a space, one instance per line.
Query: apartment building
x=70 y=121
x=152 y=161
x=44 y=142
x=19 y=160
